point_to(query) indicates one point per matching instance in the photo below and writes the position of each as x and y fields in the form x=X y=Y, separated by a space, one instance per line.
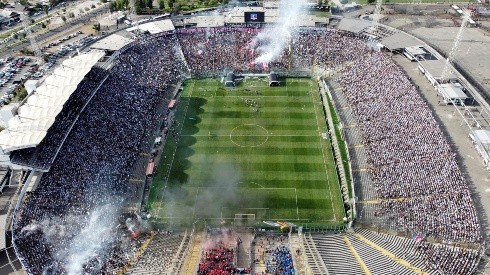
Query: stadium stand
x=43 y=154
x=334 y=252
x=382 y=253
x=403 y=147
x=160 y=254
x=398 y=144
x=106 y=153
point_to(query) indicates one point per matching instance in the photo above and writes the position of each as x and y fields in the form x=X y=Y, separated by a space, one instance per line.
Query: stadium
x=238 y=149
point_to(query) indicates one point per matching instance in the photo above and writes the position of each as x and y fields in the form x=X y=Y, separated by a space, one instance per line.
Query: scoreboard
x=254 y=17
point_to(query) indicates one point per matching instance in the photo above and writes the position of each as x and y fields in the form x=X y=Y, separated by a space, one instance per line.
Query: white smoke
x=271 y=43
x=93 y=240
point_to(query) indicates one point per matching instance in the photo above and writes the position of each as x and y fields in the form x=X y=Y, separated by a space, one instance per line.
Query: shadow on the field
x=192 y=116
x=229 y=114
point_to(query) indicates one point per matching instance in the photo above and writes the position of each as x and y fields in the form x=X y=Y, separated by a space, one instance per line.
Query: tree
x=176 y=8
x=171 y=3
x=149 y=4
x=15 y=36
x=46 y=9
x=96 y=27
x=161 y=4
x=63 y=18
x=22 y=93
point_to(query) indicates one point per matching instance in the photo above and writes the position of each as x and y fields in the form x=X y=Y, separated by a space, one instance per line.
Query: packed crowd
x=218 y=49
x=405 y=145
x=281 y=262
x=93 y=168
x=42 y=155
x=414 y=168
x=217 y=261
x=326 y=48
x=449 y=260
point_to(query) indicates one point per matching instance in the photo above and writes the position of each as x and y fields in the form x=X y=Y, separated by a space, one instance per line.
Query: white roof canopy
x=29 y=127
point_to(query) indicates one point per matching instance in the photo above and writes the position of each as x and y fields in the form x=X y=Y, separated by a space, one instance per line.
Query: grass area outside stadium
x=254 y=150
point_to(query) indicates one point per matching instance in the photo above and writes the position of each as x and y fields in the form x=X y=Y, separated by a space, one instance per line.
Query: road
x=85 y=18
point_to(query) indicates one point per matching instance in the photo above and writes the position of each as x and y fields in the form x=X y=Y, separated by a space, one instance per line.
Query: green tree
x=171 y=3
x=46 y=9
x=63 y=18
x=149 y=4
x=96 y=27
x=176 y=8
x=22 y=93
x=43 y=25
x=161 y=4
x=15 y=36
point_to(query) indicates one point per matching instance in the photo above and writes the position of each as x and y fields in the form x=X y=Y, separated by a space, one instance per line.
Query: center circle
x=249 y=135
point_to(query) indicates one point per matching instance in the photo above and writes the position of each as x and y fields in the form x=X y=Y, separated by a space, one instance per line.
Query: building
x=452 y=93
x=434 y=69
x=274 y=80
x=481 y=141
x=230 y=80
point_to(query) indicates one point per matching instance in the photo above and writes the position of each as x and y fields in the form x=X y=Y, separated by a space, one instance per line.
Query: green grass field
x=252 y=149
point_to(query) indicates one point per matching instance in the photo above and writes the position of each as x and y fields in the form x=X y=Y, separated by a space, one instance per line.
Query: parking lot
x=16 y=70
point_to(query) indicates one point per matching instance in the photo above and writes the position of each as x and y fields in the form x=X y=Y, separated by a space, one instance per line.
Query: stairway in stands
x=363 y=252
x=316 y=264
x=333 y=252
x=194 y=255
x=159 y=255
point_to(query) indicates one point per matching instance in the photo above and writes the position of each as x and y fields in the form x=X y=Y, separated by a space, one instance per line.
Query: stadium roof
x=155 y=27
x=113 y=42
x=208 y=21
x=29 y=127
x=399 y=40
x=435 y=68
x=353 y=25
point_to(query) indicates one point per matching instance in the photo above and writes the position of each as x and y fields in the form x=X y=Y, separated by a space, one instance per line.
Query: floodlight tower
x=377 y=13
x=27 y=30
x=132 y=7
x=447 y=69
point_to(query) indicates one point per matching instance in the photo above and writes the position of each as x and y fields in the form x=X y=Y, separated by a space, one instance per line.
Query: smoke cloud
x=93 y=239
x=78 y=240
x=271 y=43
x=220 y=192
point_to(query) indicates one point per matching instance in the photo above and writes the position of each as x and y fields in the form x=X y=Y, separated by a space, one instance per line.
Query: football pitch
x=250 y=153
